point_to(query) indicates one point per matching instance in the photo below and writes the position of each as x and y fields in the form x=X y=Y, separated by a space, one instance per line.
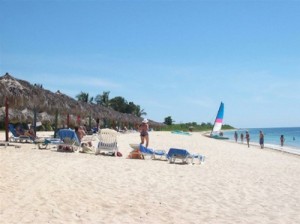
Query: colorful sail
x=219 y=119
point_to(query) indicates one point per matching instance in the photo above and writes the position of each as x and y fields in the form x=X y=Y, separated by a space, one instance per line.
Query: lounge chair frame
x=148 y=152
x=184 y=156
x=70 y=140
x=15 y=138
x=107 y=141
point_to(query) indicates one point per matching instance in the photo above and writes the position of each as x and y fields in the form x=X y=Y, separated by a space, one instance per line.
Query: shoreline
x=271 y=138
x=286 y=149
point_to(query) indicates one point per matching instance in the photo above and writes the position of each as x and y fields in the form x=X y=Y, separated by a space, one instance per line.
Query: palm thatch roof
x=24 y=98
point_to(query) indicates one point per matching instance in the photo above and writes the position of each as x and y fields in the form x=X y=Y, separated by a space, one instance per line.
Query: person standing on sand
x=282 y=140
x=261 y=139
x=143 y=129
x=242 y=138
x=235 y=136
x=248 y=138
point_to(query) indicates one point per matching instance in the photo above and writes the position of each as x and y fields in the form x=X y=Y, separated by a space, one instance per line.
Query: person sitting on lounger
x=80 y=132
x=29 y=133
x=19 y=131
x=86 y=146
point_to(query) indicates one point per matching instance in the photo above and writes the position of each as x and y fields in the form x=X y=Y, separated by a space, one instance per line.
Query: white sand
x=234 y=185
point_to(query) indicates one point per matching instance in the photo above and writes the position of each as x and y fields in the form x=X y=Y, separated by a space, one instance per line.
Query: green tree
x=130 y=108
x=83 y=97
x=139 y=112
x=168 y=120
x=119 y=104
x=103 y=99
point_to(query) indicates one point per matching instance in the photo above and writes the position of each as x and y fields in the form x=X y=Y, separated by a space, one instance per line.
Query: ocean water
x=272 y=136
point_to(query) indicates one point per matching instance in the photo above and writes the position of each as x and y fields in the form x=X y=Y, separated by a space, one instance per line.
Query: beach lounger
x=107 y=142
x=142 y=152
x=43 y=143
x=184 y=156
x=69 y=139
x=17 y=138
x=154 y=154
x=198 y=157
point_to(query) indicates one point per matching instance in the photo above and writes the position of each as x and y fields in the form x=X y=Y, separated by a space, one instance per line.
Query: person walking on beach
x=261 y=139
x=248 y=138
x=282 y=140
x=143 y=129
x=235 y=136
x=242 y=138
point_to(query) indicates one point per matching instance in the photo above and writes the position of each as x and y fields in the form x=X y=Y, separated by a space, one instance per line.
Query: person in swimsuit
x=282 y=140
x=242 y=138
x=29 y=133
x=248 y=138
x=80 y=132
x=261 y=139
x=143 y=129
x=235 y=136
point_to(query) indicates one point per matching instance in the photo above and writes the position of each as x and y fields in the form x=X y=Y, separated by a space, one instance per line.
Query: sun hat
x=145 y=121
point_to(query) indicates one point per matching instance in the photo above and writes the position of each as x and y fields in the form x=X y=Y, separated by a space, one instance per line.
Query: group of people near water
x=247 y=136
x=261 y=138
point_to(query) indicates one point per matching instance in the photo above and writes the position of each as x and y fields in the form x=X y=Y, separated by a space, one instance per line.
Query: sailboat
x=216 y=131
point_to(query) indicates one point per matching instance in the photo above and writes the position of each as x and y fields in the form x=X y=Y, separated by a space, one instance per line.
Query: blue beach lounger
x=70 y=140
x=66 y=138
x=44 y=142
x=17 y=138
x=184 y=155
x=153 y=153
x=141 y=150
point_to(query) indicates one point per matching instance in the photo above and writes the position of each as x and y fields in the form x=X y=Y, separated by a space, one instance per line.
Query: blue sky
x=173 y=58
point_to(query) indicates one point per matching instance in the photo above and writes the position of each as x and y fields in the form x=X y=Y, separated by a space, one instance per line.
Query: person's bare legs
x=147 y=140
x=142 y=140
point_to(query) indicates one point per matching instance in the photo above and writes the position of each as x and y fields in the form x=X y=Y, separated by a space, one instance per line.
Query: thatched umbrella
x=24 y=96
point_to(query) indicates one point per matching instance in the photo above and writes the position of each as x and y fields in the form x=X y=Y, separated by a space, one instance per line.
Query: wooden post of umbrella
x=105 y=122
x=6 y=119
x=55 y=123
x=90 y=122
x=78 y=120
x=68 y=120
x=98 y=121
x=34 y=120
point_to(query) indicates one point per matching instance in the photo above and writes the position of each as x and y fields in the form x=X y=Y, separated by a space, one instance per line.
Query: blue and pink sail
x=219 y=119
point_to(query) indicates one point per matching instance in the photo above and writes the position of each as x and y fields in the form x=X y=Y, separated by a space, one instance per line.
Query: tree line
x=190 y=126
x=117 y=103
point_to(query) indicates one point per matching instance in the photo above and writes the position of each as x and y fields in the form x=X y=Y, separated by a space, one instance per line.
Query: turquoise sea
x=272 y=136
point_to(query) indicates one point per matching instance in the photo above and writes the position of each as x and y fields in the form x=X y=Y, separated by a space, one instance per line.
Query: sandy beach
x=235 y=184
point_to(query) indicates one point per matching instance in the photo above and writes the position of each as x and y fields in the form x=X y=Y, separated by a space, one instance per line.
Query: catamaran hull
x=219 y=137
x=216 y=137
